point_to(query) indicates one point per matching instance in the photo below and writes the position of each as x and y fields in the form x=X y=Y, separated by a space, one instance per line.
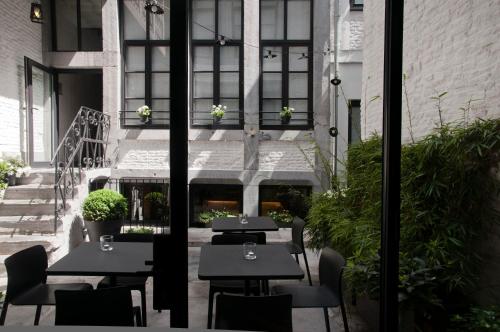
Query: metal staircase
x=83 y=147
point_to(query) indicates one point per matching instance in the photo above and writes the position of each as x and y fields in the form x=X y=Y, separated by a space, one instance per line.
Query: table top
x=126 y=259
x=226 y=262
x=100 y=329
x=232 y=224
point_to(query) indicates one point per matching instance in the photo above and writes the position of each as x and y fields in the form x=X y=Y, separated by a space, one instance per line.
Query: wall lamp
x=36 y=12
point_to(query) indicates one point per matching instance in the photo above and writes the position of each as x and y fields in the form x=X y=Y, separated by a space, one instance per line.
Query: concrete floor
x=304 y=320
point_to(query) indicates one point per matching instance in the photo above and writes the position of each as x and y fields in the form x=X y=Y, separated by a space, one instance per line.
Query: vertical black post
x=178 y=160
x=393 y=67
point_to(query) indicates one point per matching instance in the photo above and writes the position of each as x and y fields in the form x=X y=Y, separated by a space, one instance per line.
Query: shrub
x=208 y=216
x=104 y=205
x=281 y=216
x=156 y=198
x=447 y=201
x=140 y=230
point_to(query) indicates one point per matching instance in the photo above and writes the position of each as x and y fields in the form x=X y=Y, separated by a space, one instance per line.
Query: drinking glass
x=106 y=242
x=250 y=250
x=243 y=219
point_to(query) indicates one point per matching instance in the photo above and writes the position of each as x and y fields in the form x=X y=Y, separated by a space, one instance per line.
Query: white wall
x=449 y=45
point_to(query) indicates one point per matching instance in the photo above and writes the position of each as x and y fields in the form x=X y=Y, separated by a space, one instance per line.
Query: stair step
x=29 y=191
x=38 y=177
x=27 y=225
x=13 y=207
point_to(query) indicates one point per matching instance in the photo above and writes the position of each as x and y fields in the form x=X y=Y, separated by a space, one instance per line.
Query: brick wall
x=449 y=45
x=19 y=37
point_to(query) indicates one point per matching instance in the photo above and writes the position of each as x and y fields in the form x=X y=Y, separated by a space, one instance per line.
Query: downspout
x=336 y=19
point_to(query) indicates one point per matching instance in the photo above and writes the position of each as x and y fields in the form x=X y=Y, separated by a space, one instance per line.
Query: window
x=354 y=130
x=77 y=25
x=146 y=52
x=286 y=200
x=356 y=4
x=209 y=200
x=217 y=56
x=286 y=63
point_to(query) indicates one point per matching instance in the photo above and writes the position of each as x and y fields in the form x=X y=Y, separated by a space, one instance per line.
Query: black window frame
x=148 y=45
x=285 y=44
x=216 y=70
x=355 y=6
x=352 y=103
x=53 y=27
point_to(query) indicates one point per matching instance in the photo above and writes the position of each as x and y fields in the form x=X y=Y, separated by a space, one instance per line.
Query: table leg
x=112 y=280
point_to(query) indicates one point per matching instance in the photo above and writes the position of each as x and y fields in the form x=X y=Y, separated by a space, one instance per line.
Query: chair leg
x=327 y=320
x=307 y=268
x=210 y=308
x=4 y=313
x=344 y=316
x=37 y=314
x=297 y=258
x=143 y=307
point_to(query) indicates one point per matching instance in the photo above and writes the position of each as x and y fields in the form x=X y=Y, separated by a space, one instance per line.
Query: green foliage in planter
x=208 y=216
x=448 y=188
x=4 y=171
x=476 y=319
x=140 y=230
x=280 y=216
x=104 y=205
x=157 y=198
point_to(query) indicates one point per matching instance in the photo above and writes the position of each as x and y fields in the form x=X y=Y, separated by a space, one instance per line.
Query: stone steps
x=41 y=224
x=33 y=190
x=26 y=207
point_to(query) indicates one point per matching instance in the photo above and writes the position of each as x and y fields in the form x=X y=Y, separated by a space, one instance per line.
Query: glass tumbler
x=106 y=242
x=250 y=250
x=243 y=219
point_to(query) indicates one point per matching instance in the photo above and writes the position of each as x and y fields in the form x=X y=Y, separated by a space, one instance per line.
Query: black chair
x=133 y=283
x=296 y=246
x=229 y=286
x=26 y=281
x=254 y=313
x=328 y=294
x=100 y=307
x=261 y=237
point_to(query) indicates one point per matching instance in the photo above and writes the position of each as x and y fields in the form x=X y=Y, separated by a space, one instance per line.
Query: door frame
x=28 y=86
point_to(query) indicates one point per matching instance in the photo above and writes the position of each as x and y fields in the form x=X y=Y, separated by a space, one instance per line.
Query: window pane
x=159 y=25
x=271 y=111
x=272 y=85
x=160 y=114
x=161 y=58
x=133 y=105
x=229 y=85
x=354 y=122
x=233 y=108
x=203 y=105
x=298 y=58
x=134 y=85
x=135 y=58
x=229 y=58
x=297 y=85
x=160 y=85
x=230 y=18
x=203 y=14
x=272 y=19
x=300 y=107
x=203 y=85
x=299 y=15
x=91 y=21
x=134 y=20
x=203 y=58
x=66 y=25
x=161 y=105
x=272 y=57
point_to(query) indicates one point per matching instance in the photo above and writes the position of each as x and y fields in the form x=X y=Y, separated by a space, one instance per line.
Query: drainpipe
x=334 y=121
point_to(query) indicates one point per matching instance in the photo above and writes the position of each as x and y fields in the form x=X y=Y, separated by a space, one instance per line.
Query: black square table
x=226 y=262
x=255 y=224
x=126 y=259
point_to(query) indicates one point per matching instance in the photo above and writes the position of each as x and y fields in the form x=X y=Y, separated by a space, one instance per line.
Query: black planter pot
x=217 y=120
x=285 y=120
x=96 y=229
x=12 y=180
x=146 y=120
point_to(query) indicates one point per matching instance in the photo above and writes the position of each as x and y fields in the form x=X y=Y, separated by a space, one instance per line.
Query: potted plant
x=283 y=218
x=158 y=203
x=286 y=114
x=144 y=112
x=103 y=213
x=218 y=113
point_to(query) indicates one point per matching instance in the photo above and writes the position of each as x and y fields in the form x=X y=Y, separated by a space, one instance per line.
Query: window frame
x=354 y=6
x=352 y=103
x=53 y=27
x=148 y=45
x=285 y=44
x=216 y=72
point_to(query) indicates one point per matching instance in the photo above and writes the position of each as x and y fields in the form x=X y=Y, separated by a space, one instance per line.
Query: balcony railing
x=230 y=120
x=298 y=121
x=160 y=119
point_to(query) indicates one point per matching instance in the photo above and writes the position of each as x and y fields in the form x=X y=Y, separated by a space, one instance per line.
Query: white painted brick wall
x=216 y=155
x=449 y=45
x=19 y=37
x=285 y=156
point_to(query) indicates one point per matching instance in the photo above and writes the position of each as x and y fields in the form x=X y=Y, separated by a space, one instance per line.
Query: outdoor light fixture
x=303 y=56
x=153 y=7
x=36 y=13
x=336 y=81
x=270 y=55
x=221 y=40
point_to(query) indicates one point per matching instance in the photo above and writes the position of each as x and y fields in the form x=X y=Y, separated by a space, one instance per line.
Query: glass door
x=40 y=105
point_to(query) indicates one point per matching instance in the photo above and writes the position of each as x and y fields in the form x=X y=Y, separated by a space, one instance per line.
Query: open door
x=41 y=115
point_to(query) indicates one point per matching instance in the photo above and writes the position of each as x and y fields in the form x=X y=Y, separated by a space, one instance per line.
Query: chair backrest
x=254 y=313
x=133 y=237
x=100 y=307
x=233 y=238
x=25 y=269
x=298 y=225
x=331 y=266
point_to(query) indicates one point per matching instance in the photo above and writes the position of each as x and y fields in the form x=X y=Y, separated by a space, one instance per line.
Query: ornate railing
x=82 y=147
